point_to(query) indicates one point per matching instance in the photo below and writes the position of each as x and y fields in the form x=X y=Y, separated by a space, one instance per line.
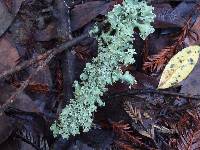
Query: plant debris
x=44 y=46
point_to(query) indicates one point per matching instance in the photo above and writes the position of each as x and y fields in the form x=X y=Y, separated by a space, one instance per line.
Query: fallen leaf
x=11 y=144
x=8 y=59
x=193 y=38
x=192 y=83
x=8 y=56
x=179 y=67
x=6 y=16
x=167 y=17
x=84 y=13
x=22 y=102
x=31 y=126
x=46 y=34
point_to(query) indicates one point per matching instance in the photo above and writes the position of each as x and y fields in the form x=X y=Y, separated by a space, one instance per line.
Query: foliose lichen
x=115 y=48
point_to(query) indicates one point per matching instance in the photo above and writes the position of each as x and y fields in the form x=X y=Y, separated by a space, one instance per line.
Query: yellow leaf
x=179 y=67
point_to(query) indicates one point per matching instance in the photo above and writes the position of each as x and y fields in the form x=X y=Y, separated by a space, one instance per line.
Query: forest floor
x=43 y=49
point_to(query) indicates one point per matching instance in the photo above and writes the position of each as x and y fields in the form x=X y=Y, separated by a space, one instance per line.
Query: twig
x=167 y=1
x=55 y=51
x=25 y=83
x=24 y=65
x=52 y=52
x=153 y=91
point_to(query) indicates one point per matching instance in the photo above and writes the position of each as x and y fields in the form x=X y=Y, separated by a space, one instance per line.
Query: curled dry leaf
x=179 y=67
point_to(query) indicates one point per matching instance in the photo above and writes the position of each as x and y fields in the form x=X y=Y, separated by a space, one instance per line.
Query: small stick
x=24 y=65
x=153 y=91
x=55 y=51
x=25 y=83
x=51 y=53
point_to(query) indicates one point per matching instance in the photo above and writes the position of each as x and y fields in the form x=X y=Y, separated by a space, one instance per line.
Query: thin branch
x=24 y=65
x=45 y=62
x=35 y=60
x=152 y=91
x=25 y=83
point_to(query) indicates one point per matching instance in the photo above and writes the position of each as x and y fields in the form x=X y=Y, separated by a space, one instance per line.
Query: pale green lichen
x=115 y=48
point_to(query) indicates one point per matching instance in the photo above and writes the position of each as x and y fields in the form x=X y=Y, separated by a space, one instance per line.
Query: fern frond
x=134 y=113
x=123 y=131
x=157 y=62
x=190 y=138
x=122 y=146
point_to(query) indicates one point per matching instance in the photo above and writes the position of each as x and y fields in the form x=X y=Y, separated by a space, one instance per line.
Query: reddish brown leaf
x=8 y=54
x=167 y=17
x=6 y=17
x=84 y=13
x=194 y=37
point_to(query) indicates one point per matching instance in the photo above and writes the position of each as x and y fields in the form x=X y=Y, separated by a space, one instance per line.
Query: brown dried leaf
x=7 y=17
x=167 y=17
x=84 y=13
x=192 y=84
x=194 y=37
x=8 y=54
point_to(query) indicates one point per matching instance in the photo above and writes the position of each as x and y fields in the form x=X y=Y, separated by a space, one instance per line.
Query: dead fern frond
x=157 y=62
x=38 y=87
x=122 y=146
x=33 y=87
x=121 y=126
x=123 y=131
x=59 y=79
x=190 y=138
x=82 y=52
x=134 y=113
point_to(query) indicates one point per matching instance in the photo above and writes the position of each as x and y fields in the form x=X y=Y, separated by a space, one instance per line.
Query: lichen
x=115 y=48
